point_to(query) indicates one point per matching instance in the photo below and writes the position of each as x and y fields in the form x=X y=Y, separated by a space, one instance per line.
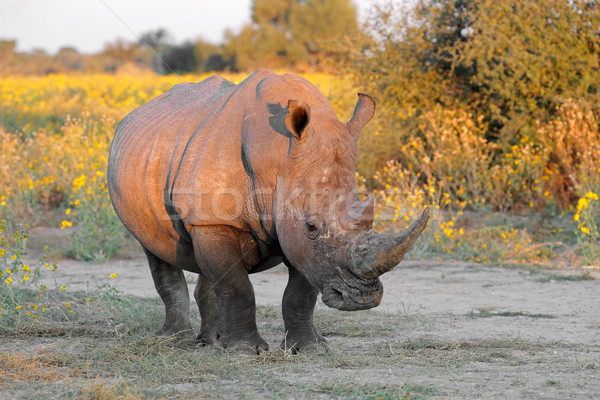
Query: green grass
x=335 y=323
x=106 y=349
x=586 y=276
x=350 y=390
x=483 y=313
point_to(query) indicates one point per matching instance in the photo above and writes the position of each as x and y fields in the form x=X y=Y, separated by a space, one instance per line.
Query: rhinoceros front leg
x=212 y=322
x=172 y=288
x=220 y=259
x=299 y=301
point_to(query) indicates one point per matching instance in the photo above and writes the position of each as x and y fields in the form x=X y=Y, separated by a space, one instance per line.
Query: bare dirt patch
x=452 y=330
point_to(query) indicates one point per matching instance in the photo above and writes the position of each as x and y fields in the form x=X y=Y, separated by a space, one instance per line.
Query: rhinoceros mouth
x=350 y=293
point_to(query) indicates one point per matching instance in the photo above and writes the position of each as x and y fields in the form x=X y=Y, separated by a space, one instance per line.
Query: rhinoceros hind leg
x=221 y=262
x=171 y=286
x=299 y=301
x=212 y=322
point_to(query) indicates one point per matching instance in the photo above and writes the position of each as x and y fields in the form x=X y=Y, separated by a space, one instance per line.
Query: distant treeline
x=283 y=33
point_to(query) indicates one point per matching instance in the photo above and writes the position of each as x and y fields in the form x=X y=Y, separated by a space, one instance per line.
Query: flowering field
x=523 y=203
x=55 y=133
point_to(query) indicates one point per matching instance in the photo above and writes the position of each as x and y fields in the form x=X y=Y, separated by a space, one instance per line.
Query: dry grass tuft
x=28 y=367
x=100 y=390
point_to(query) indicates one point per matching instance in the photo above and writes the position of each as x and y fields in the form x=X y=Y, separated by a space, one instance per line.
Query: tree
x=157 y=42
x=122 y=51
x=514 y=61
x=7 y=55
x=216 y=62
x=208 y=56
x=114 y=56
x=69 y=58
x=316 y=21
x=180 y=59
x=521 y=59
x=289 y=32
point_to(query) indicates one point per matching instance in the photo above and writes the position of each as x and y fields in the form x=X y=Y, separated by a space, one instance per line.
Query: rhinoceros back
x=146 y=154
x=146 y=123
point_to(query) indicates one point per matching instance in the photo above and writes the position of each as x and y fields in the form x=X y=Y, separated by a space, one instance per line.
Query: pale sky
x=88 y=25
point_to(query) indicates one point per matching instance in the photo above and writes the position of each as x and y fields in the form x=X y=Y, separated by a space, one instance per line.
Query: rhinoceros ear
x=297 y=119
x=364 y=111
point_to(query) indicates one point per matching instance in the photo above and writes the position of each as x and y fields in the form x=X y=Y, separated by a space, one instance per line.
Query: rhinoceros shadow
x=277 y=119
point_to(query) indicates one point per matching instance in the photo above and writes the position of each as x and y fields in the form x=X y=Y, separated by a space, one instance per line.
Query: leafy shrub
x=587 y=228
x=99 y=233
x=478 y=96
x=21 y=297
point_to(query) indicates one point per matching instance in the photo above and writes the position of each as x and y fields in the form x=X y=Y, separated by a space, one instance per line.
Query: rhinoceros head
x=323 y=228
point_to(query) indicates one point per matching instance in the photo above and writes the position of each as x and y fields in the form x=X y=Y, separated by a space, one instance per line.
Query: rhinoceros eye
x=311 y=227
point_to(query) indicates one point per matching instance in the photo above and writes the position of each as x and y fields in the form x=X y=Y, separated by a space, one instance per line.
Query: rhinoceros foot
x=208 y=337
x=175 y=330
x=252 y=346
x=304 y=343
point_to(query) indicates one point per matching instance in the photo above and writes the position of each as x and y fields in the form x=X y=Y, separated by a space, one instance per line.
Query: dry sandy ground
x=467 y=330
x=533 y=339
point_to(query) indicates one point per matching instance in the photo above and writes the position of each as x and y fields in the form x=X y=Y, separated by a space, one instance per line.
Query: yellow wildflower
x=65 y=224
x=79 y=182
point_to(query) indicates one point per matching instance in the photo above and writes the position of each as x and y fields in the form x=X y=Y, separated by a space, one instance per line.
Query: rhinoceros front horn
x=363 y=112
x=380 y=253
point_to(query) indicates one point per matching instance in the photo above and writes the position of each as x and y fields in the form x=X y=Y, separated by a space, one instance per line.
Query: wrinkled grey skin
x=225 y=180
